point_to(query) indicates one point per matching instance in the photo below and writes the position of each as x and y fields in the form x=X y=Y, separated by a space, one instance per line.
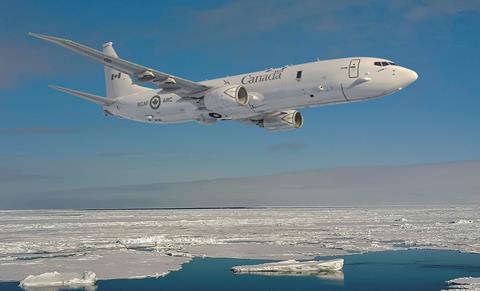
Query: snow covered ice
x=465 y=283
x=292 y=266
x=138 y=243
x=56 y=279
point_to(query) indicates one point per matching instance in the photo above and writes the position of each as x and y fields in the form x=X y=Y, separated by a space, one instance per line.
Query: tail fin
x=118 y=83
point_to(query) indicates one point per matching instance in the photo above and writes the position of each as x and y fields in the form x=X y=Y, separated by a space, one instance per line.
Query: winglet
x=89 y=97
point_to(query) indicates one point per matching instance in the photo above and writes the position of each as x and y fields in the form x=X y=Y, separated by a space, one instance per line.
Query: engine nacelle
x=285 y=120
x=227 y=100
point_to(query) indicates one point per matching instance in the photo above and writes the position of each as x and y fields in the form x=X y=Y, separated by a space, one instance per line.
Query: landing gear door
x=353 y=68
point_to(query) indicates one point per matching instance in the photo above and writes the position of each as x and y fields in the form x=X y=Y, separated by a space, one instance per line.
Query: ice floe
x=292 y=266
x=465 y=283
x=107 y=264
x=56 y=279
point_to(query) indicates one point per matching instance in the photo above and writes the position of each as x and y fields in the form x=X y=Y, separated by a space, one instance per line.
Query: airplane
x=268 y=98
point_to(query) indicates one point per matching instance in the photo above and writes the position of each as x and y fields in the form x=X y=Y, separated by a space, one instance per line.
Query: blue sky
x=54 y=142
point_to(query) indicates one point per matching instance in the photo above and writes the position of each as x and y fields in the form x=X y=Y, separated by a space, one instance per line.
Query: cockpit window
x=384 y=64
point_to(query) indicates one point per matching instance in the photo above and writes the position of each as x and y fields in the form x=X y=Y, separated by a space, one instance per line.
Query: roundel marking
x=215 y=115
x=155 y=102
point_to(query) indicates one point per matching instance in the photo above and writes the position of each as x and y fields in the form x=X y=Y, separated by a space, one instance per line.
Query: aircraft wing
x=139 y=73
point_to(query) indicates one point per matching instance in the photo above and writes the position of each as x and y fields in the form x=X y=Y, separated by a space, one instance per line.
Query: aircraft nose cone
x=412 y=75
x=407 y=77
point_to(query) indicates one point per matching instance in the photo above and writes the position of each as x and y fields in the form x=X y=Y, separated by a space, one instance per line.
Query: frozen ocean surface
x=150 y=243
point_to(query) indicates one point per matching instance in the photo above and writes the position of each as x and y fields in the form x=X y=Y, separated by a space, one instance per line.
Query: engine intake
x=241 y=95
x=227 y=99
x=285 y=120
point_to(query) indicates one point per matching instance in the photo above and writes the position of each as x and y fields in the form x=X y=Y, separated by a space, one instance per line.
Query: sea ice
x=107 y=264
x=292 y=266
x=56 y=279
x=134 y=243
x=465 y=283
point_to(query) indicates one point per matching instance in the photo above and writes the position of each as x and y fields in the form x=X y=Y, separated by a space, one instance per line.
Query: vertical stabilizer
x=117 y=83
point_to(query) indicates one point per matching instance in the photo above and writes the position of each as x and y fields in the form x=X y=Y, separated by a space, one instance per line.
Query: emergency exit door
x=354 y=68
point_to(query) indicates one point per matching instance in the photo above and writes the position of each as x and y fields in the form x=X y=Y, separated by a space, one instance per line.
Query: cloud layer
x=446 y=183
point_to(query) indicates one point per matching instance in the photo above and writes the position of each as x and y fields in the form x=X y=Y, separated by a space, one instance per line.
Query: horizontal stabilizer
x=89 y=97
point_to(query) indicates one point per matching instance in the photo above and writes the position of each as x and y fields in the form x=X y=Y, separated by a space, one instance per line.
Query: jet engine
x=227 y=100
x=285 y=120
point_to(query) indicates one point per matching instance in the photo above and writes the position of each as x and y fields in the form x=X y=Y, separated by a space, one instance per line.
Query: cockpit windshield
x=384 y=64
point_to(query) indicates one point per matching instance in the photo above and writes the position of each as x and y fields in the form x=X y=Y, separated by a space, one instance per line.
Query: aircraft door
x=349 y=87
x=354 y=68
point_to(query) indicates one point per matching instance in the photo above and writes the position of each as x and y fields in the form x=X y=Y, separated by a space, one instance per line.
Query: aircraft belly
x=165 y=113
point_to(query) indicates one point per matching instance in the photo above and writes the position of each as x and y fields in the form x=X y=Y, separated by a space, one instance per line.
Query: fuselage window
x=378 y=64
x=299 y=75
x=384 y=64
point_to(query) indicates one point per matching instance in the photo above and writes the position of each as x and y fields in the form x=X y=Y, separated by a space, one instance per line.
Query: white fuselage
x=290 y=87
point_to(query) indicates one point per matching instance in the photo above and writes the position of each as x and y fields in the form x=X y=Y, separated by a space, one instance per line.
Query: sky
x=55 y=143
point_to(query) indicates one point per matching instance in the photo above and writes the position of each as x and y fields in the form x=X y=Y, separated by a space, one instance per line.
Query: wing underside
x=87 y=96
